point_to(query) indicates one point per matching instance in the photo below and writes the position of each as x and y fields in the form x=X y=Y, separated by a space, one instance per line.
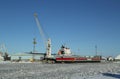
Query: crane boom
x=40 y=28
x=47 y=42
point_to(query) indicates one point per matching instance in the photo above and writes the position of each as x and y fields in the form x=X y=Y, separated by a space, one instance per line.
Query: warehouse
x=27 y=56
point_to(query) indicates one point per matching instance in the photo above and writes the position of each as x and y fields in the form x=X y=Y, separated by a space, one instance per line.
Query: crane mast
x=47 y=42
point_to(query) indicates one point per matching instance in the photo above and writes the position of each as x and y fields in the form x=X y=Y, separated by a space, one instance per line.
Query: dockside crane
x=47 y=41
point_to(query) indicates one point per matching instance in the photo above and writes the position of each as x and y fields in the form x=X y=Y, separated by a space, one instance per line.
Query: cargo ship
x=64 y=55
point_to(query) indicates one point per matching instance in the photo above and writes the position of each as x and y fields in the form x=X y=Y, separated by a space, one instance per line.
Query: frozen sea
x=60 y=71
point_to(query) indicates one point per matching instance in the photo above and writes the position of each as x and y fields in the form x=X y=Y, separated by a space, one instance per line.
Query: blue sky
x=79 y=24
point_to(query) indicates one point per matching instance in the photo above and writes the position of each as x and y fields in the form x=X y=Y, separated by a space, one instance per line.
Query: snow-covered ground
x=60 y=71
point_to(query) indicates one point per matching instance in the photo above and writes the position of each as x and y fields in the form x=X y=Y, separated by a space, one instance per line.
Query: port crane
x=47 y=41
x=3 y=48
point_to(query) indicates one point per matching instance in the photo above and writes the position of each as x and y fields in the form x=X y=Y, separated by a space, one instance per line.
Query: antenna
x=96 y=49
x=34 y=45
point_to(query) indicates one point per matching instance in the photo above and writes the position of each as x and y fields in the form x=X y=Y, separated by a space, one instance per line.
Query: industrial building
x=27 y=56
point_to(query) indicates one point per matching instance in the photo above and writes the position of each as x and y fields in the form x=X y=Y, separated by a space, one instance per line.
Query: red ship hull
x=77 y=59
